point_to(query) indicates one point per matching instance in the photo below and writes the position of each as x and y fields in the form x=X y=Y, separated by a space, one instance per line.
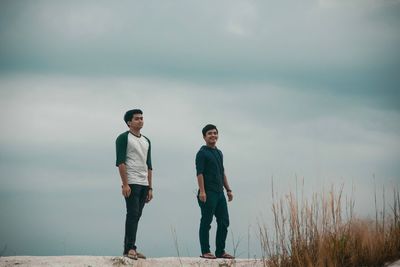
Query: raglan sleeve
x=148 y=160
x=120 y=148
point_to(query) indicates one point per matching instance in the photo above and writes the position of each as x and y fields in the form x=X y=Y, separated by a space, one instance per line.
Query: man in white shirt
x=134 y=164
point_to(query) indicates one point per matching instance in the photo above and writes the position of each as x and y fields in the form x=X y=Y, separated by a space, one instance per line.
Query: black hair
x=207 y=128
x=129 y=114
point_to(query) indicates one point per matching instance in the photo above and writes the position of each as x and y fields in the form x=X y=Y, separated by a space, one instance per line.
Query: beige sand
x=99 y=261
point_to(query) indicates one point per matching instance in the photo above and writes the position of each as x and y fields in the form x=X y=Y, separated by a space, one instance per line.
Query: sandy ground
x=94 y=261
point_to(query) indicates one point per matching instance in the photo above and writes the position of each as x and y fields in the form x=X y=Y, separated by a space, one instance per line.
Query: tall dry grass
x=324 y=231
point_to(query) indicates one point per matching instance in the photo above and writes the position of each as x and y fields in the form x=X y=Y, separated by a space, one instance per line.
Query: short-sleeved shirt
x=209 y=163
x=135 y=152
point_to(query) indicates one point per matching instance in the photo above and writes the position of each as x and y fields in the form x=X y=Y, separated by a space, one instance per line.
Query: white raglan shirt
x=136 y=156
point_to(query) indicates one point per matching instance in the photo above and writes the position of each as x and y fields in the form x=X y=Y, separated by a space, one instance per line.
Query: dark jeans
x=134 y=206
x=215 y=205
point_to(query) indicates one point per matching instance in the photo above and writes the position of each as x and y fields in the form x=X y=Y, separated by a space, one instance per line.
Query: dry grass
x=325 y=232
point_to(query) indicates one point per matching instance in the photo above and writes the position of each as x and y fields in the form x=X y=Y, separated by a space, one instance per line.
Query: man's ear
x=129 y=123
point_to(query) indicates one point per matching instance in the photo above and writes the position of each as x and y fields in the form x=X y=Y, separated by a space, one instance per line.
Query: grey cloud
x=341 y=48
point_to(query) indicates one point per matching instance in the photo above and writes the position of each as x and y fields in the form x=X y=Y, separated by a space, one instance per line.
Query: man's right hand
x=202 y=196
x=126 y=191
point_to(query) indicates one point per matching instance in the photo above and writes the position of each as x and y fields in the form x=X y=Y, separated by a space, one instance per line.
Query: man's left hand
x=230 y=195
x=149 y=196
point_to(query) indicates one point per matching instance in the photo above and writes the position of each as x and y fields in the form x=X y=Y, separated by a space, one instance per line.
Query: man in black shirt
x=212 y=180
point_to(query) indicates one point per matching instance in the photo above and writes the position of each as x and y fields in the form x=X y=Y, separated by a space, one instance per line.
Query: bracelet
x=228 y=191
x=151 y=188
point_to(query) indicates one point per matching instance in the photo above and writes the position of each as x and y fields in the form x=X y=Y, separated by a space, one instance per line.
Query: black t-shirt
x=209 y=162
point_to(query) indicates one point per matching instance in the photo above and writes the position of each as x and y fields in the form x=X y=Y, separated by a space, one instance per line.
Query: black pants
x=215 y=205
x=134 y=206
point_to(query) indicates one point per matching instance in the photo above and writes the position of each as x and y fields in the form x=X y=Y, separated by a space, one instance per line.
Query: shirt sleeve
x=222 y=161
x=120 y=146
x=200 y=163
x=148 y=160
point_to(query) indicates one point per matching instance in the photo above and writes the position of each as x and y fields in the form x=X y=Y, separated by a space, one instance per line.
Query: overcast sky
x=306 y=89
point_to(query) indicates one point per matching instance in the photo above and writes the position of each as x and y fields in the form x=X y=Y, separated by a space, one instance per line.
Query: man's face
x=137 y=122
x=211 y=137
